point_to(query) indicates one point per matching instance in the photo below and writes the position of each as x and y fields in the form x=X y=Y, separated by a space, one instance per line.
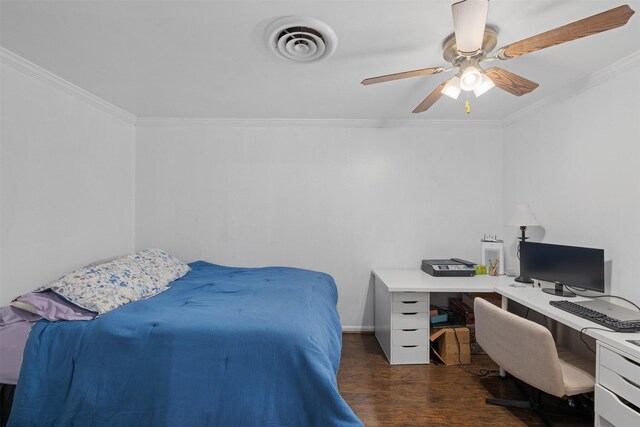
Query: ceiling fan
x=473 y=40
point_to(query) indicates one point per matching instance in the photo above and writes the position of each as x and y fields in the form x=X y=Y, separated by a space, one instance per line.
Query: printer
x=453 y=267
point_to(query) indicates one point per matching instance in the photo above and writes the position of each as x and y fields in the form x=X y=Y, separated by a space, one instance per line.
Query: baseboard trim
x=358 y=329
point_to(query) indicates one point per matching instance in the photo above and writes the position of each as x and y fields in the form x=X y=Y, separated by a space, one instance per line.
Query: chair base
x=574 y=406
x=522 y=404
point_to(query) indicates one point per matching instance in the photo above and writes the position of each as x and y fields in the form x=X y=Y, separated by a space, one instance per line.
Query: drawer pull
x=615 y=409
x=629 y=360
x=628 y=404
x=409 y=346
x=409 y=314
x=630 y=382
x=409 y=330
x=409 y=302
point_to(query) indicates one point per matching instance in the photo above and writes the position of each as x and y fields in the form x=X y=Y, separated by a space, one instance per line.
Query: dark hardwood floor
x=428 y=395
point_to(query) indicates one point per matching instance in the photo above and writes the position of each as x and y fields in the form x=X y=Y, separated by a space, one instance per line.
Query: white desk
x=537 y=300
x=402 y=299
x=617 y=361
x=402 y=327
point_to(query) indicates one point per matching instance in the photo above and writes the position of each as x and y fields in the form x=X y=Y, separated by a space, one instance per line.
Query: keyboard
x=597 y=317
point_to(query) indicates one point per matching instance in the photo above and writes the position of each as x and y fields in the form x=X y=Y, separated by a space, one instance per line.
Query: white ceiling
x=204 y=59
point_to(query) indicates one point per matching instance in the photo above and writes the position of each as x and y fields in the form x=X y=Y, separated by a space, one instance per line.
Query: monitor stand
x=559 y=291
x=523 y=279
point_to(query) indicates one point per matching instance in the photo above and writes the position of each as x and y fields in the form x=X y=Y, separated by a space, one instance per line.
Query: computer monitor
x=563 y=265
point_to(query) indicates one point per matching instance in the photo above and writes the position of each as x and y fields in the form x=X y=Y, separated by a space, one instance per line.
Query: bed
x=222 y=346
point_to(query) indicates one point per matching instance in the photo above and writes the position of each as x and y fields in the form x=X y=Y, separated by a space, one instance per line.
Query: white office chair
x=526 y=350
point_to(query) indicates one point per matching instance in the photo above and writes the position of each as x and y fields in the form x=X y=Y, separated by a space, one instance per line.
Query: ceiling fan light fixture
x=452 y=88
x=485 y=85
x=472 y=40
x=471 y=78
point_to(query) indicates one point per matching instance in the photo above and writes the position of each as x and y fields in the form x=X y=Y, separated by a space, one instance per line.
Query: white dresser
x=617 y=392
x=402 y=325
x=402 y=309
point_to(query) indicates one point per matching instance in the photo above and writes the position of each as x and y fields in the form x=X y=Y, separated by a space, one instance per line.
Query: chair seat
x=578 y=372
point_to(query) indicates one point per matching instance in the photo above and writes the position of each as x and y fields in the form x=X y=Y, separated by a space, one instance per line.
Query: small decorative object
x=481 y=269
x=493 y=255
x=494 y=266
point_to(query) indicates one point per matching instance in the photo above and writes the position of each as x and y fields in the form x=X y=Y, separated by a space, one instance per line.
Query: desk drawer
x=406 y=355
x=612 y=409
x=409 y=307
x=621 y=386
x=410 y=337
x=409 y=320
x=620 y=374
x=409 y=296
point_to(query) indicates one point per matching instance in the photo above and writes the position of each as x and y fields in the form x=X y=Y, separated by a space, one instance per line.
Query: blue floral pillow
x=103 y=287
x=160 y=269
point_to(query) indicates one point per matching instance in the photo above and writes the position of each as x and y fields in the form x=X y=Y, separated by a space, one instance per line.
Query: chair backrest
x=521 y=347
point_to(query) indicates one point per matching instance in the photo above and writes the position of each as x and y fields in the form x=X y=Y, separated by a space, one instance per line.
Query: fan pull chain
x=467 y=107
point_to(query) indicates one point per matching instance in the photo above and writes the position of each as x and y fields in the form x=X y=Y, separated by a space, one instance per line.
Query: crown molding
x=346 y=123
x=30 y=69
x=601 y=76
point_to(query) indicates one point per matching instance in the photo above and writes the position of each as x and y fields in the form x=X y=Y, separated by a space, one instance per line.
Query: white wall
x=66 y=183
x=338 y=199
x=576 y=162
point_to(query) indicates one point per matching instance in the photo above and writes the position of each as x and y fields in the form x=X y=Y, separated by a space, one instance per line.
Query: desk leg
x=505 y=306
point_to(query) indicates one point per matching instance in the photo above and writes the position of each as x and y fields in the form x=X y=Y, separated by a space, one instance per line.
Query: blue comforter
x=222 y=347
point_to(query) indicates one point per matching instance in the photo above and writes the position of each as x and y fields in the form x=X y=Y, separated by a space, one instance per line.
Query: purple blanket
x=16 y=321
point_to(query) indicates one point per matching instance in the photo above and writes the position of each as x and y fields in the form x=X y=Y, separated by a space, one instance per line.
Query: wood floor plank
x=427 y=395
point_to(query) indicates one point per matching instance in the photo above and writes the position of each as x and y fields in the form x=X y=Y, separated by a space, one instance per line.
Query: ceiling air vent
x=301 y=39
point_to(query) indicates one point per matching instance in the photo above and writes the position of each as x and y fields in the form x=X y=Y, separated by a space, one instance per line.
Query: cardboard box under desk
x=451 y=345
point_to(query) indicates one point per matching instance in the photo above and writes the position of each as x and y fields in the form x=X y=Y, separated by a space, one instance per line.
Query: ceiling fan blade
x=595 y=24
x=431 y=99
x=510 y=82
x=469 y=19
x=403 y=75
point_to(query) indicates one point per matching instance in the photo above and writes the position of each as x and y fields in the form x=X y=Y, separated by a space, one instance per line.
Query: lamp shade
x=484 y=85
x=452 y=88
x=470 y=78
x=523 y=216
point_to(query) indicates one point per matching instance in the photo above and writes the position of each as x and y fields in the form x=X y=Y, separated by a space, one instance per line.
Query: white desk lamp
x=523 y=217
